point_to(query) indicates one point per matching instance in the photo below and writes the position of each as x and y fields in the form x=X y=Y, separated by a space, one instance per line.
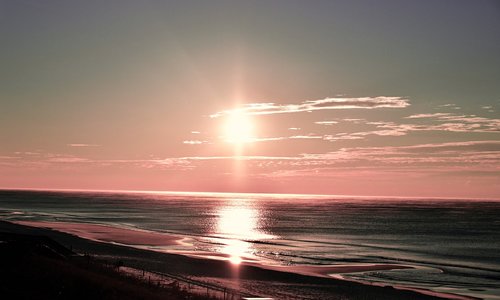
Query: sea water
x=453 y=245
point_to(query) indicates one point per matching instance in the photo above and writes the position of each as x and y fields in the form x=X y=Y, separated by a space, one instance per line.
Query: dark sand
x=277 y=282
x=37 y=267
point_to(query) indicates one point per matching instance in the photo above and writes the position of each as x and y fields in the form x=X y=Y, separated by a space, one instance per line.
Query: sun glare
x=238 y=129
x=239 y=223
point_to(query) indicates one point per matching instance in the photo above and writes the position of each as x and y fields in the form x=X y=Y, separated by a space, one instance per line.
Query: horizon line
x=125 y=191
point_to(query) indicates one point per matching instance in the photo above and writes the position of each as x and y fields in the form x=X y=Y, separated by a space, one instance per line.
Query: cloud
x=421 y=116
x=357 y=121
x=68 y=159
x=27 y=153
x=468 y=156
x=439 y=122
x=194 y=142
x=336 y=121
x=341 y=136
x=451 y=159
x=247 y=157
x=306 y=137
x=312 y=105
x=466 y=144
x=327 y=123
x=488 y=147
x=436 y=122
x=470 y=153
x=457 y=123
x=450 y=105
x=282 y=138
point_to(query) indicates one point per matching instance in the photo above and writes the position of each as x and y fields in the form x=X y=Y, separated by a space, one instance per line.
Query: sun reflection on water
x=239 y=223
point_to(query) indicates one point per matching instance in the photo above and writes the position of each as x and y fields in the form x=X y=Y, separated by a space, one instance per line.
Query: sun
x=238 y=128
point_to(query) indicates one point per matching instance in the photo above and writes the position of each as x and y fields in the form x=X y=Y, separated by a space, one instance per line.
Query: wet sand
x=328 y=270
x=303 y=282
x=104 y=233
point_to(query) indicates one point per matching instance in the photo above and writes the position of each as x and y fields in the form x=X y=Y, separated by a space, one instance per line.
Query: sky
x=375 y=98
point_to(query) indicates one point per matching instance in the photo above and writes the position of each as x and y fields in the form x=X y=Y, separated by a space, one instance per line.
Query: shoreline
x=202 y=267
x=424 y=291
x=108 y=234
x=136 y=237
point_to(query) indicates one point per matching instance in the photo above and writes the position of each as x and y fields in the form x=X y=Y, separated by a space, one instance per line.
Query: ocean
x=453 y=245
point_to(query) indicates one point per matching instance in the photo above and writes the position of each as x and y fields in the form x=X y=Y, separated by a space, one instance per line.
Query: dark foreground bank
x=30 y=273
x=37 y=267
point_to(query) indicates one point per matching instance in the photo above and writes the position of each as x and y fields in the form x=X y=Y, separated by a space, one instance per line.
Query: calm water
x=455 y=244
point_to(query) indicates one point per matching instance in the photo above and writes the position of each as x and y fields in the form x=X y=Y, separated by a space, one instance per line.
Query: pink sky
x=293 y=160
x=401 y=99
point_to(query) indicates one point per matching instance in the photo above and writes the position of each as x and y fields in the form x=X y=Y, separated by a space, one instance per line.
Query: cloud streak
x=458 y=123
x=313 y=105
x=435 y=122
x=424 y=116
x=194 y=142
x=459 y=159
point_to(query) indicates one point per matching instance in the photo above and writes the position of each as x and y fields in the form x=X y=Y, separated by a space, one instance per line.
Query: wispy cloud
x=312 y=105
x=488 y=108
x=445 y=150
x=194 y=142
x=458 y=123
x=266 y=139
x=27 y=153
x=466 y=155
x=282 y=138
x=342 y=136
x=444 y=122
x=337 y=121
x=9 y=157
x=306 y=137
x=327 y=123
x=466 y=144
x=422 y=116
x=356 y=121
x=450 y=106
x=245 y=157
x=68 y=159
x=447 y=122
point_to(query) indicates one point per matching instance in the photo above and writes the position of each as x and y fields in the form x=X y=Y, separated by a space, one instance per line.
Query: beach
x=250 y=150
x=278 y=283
x=242 y=242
